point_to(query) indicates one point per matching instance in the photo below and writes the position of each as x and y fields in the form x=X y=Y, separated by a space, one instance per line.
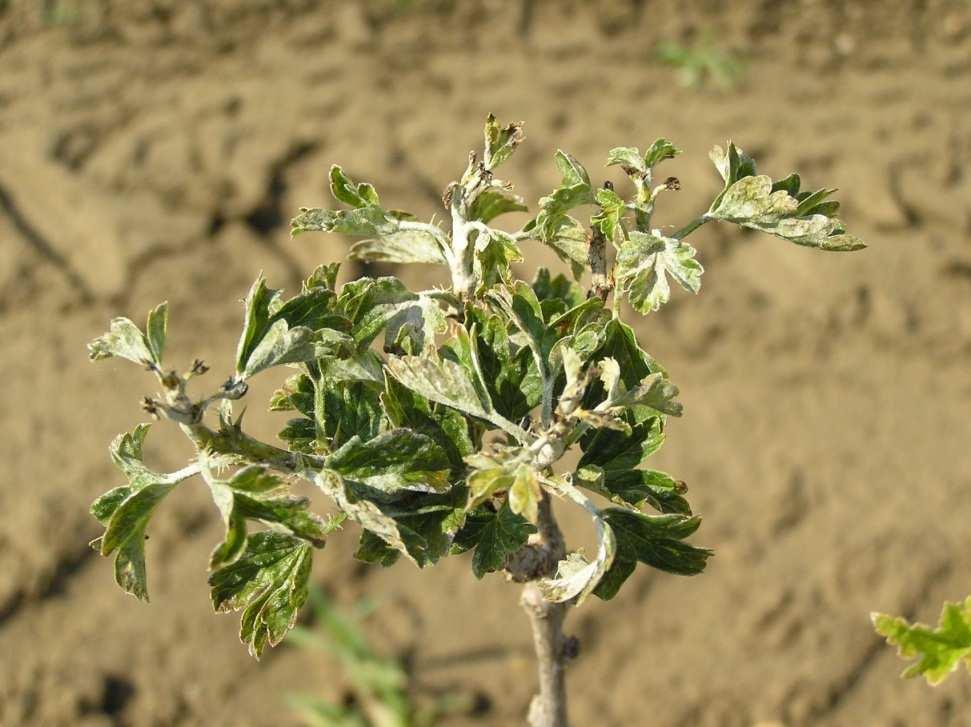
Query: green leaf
x=400 y=459
x=644 y=263
x=497 y=536
x=938 y=651
x=660 y=150
x=753 y=201
x=125 y=340
x=386 y=304
x=494 y=201
x=559 y=290
x=126 y=511
x=342 y=410
x=446 y=426
x=268 y=583
x=255 y=493
x=500 y=141
x=457 y=385
x=611 y=209
x=655 y=540
x=525 y=493
x=552 y=225
x=508 y=371
x=346 y=191
x=628 y=157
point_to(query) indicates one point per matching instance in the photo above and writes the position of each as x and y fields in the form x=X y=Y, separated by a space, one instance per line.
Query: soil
x=155 y=150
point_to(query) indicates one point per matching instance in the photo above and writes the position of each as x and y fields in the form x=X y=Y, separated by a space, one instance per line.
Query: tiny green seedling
x=381 y=693
x=438 y=420
x=938 y=651
x=701 y=63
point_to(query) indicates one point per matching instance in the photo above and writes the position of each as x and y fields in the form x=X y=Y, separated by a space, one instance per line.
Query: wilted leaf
x=500 y=141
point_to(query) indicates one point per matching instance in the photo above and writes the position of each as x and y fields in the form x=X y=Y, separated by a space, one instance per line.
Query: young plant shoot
x=436 y=420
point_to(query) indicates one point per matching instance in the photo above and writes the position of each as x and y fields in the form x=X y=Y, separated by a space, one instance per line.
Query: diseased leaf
x=500 y=141
x=277 y=332
x=402 y=246
x=753 y=201
x=644 y=263
x=268 y=583
x=576 y=577
x=938 y=651
x=446 y=426
x=420 y=525
x=346 y=191
x=495 y=201
x=552 y=225
x=524 y=493
x=495 y=251
x=400 y=459
x=608 y=218
x=125 y=340
x=444 y=382
x=126 y=511
x=660 y=150
x=386 y=304
x=628 y=157
x=255 y=493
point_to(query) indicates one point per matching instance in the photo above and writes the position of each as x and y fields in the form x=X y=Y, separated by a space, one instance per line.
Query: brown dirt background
x=155 y=150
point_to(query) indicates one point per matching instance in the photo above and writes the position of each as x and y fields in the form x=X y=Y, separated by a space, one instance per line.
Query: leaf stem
x=691 y=227
x=235 y=444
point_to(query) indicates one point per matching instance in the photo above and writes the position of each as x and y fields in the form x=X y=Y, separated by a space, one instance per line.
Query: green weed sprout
x=380 y=692
x=438 y=420
x=938 y=651
x=702 y=62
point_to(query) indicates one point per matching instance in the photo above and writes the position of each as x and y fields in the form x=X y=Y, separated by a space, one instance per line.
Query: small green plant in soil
x=381 y=693
x=701 y=63
x=438 y=420
x=937 y=651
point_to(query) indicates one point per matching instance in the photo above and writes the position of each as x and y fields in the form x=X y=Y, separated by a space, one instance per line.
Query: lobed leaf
x=655 y=540
x=268 y=583
x=644 y=262
x=125 y=511
x=753 y=201
x=938 y=651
